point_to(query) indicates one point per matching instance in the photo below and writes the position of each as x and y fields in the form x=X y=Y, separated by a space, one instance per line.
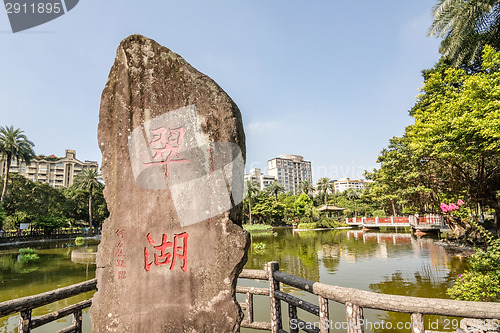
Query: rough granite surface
x=143 y=288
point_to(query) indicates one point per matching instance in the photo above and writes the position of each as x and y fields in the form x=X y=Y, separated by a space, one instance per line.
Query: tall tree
x=353 y=195
x=452 y=151
x=324 y=185
x=306 y=187
x=252 y=188
x=88 y=179
x=466 y=26
x=275 y=188
x=14 y=145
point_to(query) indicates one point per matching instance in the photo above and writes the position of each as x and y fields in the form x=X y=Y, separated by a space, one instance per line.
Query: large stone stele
x=173 y=150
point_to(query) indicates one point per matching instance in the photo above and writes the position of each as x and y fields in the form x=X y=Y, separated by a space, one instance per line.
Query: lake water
x=385 y=262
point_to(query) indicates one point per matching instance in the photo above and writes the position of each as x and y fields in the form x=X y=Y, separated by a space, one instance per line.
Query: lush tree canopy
x=452 y=149
x=14 y=145
x=466 y=26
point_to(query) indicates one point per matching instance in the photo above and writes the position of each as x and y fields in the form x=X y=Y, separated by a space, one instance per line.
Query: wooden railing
x=355 y=301
x=36 y=234
x=26 y=305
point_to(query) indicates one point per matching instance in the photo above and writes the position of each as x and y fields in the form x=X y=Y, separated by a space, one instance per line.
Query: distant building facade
x=290 y=171
x=55 y=171
x=259 y=178
x=343 y=184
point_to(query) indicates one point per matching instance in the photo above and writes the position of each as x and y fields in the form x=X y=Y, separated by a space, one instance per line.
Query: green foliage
x=257 y=227
x=478 y=287
x=322 y=223
x=13 y=145
x=275 y=188
x=452 y=149
x=28 y=255
x=379 y=213
x=78 y=204
x=268 y=210
x=305 y=220
x=27 y=199
x=466 y=26
x=3 y=216
x=481 y=282
x=79 y=241
x=49 y=223
x=304 y=225
x=303 y=205
x=325 y=222
x=14 y=220
x=259 y=248
x=88 y=179
x=324 y=186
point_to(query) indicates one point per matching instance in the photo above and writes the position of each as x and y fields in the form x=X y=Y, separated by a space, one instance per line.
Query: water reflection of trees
x=301 y=253
x=418 y=285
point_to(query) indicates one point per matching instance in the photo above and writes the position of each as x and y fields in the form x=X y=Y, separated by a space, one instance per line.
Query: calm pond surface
x=385 y=262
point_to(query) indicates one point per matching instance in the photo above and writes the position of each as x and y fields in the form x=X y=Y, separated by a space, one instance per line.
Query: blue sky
x=329 y=80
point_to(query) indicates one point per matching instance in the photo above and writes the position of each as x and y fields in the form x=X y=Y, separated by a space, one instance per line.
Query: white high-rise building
x=259 y=178
x=343 y=184
x=290 y=171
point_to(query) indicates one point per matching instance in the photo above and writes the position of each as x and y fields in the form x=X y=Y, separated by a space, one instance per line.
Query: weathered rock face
x=173 y=153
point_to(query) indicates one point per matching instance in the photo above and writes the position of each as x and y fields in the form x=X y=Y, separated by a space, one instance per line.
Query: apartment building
x=290 y=171
x=343 y=184
x=259 y=178
x=53 y=170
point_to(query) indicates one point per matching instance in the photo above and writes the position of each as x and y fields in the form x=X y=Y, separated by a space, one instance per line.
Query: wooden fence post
x=25 y=321
x=324 y=322
x=417 y=323
x=77 y=321
x=354 y=316
x=276 y=324
x=292 y=314
x=249 y=302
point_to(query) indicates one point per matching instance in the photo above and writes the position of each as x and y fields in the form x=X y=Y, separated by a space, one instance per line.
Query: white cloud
x=260 y=126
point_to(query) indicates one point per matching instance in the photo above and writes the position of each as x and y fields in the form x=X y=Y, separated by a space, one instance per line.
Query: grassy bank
x=257 y=227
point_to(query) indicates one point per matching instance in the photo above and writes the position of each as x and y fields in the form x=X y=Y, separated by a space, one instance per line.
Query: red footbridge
x=426 y=223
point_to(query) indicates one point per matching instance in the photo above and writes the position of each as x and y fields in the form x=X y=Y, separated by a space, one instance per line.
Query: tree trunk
x=393 y=208
x=90 y=207
x=6 y=177
x=249 y=211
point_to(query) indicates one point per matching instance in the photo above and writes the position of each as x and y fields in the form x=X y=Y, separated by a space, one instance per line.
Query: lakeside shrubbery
x=480 y=283
x=28 y=255
x=48 y=208
x=257 y=227
x=322 y=223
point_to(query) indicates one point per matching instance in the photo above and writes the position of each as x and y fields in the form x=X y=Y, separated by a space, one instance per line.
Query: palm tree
x=252 y=188
x=275 y=188
x=466 y=26
x=324 y=185
x=88 y=179
x=306 y=187
x=14 y=145
x=353 y=194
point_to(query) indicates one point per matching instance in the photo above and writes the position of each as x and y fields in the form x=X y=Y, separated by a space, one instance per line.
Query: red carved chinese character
x=120 y=263
x=122 y=275
x=120 y=253
x=167 y=258
x=119 y=233
x=166 y=148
